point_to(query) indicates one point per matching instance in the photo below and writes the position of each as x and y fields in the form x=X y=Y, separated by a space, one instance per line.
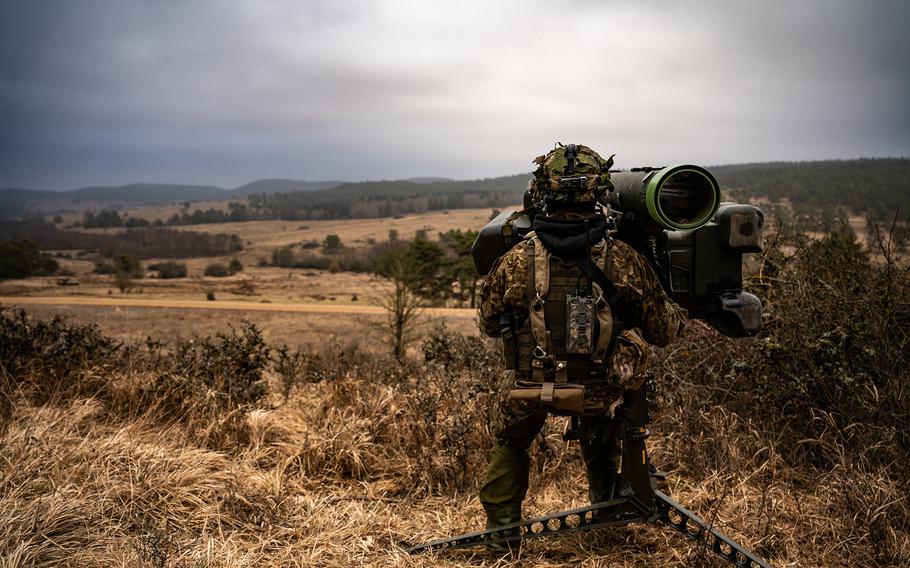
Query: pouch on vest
x=568 y=397
x=516 y=341
x=579 y=323
x=629 y=360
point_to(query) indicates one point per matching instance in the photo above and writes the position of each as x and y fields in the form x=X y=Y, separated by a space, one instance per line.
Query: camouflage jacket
x=505 y=289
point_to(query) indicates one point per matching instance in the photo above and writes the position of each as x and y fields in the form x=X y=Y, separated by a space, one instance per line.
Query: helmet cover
x=571 y=174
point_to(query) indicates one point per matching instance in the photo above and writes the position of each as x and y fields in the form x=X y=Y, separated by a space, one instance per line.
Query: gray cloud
x=107 y=91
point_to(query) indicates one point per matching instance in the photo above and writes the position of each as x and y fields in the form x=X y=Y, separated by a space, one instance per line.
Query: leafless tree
x=401 y=302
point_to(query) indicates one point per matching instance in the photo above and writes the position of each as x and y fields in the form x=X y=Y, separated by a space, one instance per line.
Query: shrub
x=125 y=264
x=246 y=288
x=331 y=244
x=283 y=257
x=103 y=266
x=831 y=360
x=217 y=269
x=50 y=356
x=456 y=351
x=311 y=260
x=235 y=266
x=167 y=270
x=214 y=382
x=123 y=281
x=21 y=259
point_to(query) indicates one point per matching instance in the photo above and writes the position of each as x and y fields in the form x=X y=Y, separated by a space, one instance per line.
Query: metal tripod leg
x=636 y=501
x=635 y=474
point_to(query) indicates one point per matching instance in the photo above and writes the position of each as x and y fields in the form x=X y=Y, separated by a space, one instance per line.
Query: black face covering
x=570 y=239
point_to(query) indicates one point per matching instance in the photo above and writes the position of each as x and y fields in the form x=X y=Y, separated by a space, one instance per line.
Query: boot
x=503 y=491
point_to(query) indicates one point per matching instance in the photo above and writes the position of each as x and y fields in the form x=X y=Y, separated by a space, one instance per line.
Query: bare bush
x=53 y=358
x=211 y=384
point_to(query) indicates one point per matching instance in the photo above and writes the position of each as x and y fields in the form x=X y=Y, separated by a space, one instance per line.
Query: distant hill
x=428 y=179
x=15 y=202
x=147 y=193
x=19 y=202
x=876 y=186
x=268 y=186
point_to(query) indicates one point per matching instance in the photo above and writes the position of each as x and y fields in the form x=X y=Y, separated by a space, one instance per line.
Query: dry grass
x=254 y=284
x=792 y=443
x=314 y=488
x=353 y=232
x=364 y=456
x=306 y=330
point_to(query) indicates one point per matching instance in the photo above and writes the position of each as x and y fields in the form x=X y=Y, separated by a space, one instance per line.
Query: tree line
x=111 y=219
x=875 y=188
x=818 y=194
x=142 y=243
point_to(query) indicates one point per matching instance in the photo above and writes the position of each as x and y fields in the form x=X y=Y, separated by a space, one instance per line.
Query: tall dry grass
x=224 y=452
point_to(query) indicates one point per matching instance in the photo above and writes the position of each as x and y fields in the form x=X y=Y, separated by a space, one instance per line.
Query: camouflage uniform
x=505 y=289
x=518 y=422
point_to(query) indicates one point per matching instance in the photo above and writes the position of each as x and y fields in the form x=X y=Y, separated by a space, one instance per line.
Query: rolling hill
x=877 y=186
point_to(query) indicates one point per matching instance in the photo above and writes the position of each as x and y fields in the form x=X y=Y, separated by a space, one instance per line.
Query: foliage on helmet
x=587 y=181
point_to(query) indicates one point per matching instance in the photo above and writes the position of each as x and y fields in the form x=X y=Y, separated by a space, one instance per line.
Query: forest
x=877 y=188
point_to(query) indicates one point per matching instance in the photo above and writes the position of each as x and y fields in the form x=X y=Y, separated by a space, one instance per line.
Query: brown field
x=266 y=235
x=292 y=306
x=362 y=455
x=298 y=325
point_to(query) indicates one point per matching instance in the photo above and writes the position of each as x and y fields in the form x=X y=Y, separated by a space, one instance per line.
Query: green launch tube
x=677 y=197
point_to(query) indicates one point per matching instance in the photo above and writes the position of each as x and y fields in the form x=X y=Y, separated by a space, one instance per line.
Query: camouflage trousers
x=518 y=423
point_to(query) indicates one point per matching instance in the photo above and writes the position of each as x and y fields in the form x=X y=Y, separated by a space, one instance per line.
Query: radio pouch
x=579 y=323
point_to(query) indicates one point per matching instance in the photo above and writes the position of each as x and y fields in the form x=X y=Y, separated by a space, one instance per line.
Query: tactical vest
x=536 y=343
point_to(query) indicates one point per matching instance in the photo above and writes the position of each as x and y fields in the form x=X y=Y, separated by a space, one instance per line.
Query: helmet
x=571 y=174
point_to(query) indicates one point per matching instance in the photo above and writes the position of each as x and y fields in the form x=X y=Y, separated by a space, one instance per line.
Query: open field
x=294 y=324
x=262 y=283
x=264 y=236
x=254 y=284
x=211 y=451
x=309 y=491
x=291 y=306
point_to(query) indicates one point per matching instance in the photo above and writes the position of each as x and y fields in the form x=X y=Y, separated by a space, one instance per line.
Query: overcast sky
x=96 y=92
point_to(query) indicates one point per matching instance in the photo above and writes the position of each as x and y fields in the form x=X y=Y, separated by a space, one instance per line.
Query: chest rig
x=568 y=332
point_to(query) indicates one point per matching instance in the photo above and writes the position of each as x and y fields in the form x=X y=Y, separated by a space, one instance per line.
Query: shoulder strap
x=602 y=310
x=612 y=295
x=538 y=287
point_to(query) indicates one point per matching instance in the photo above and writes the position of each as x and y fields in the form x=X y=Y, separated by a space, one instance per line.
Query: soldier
x=577 y=312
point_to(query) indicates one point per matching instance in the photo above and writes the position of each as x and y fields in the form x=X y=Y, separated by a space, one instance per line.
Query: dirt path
x=213 y=305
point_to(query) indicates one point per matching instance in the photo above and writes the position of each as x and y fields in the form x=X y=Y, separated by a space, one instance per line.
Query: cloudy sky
x=102 y=92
